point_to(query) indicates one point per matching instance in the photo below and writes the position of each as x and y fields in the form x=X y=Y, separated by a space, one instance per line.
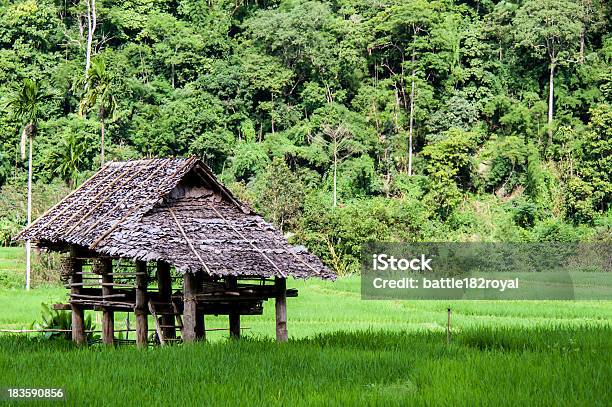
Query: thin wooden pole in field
x=448 y=327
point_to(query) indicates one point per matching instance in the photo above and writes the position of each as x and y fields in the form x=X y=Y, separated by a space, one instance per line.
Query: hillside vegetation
x=340 y=121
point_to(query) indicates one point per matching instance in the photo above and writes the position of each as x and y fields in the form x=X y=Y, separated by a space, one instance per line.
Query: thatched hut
x=135 y=227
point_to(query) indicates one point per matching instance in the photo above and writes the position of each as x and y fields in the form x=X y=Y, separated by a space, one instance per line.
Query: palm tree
x=99 y=85
x=24 y=103
x=70 y=157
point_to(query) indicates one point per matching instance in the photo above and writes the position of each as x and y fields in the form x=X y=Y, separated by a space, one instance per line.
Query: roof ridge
x=211 y=176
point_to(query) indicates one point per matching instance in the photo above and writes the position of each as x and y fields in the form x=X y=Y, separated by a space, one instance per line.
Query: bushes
x=555 y=230
x=449 y=167
x=13 y=203
x=579 y=205
x=507 y=157
x=249 y=160
x=336 y=235
x=524 y=213
x=55 y=319
x=45 y=268
x=280 y=194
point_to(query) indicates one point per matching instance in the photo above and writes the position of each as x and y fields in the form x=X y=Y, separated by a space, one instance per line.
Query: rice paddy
x=342 y=351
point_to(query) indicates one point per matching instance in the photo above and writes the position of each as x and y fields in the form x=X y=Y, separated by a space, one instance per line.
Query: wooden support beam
x=189 y=307
x=234 y=314
x=164 y=283
x=78 y=317
x=108 y=316
x=140 y=309
x=281 y=309
x=158 y=326
x=200 y=329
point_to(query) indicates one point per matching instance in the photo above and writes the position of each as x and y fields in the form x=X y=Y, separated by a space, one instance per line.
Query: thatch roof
x=172 y=210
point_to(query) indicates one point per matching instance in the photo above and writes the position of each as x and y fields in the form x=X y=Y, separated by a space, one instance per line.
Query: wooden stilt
x=78 y=318
x=234 y=321
x=189 y=307
x=142 y=325
x=108 y=316
x=200 y=328
x=281 y=309
x=164 y=282
x=234 y=315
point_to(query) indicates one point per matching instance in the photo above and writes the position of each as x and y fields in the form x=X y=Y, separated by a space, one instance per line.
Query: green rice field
x=342 y=351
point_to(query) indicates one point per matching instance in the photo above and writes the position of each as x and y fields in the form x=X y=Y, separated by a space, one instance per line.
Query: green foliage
x=99 y=90
x=248 y=161
x=549 y=28
x=254 y=88
x=280 y=194
x=449 y=166
x=24 y=103
x=51 y=319
x=69 y=147
x=579 y=200
x=13 y=205
x=357 y=177
x=553 y=230
x=337 y=235
x=525 y=213
x=4 y=168
x=595 y=157
x=506 y=159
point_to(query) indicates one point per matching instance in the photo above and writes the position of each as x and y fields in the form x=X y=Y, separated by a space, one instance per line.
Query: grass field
x=12 y=265
x=342 y=351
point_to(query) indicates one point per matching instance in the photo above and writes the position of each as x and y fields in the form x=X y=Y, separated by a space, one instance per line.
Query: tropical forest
x=341 y=121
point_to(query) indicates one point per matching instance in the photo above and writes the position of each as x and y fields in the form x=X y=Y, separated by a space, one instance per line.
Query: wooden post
x=142 y=324
x=234 y=315
x=78 y=318
x=108 y=316
x=448 y=326
x=200 y=328
x=189 y=307
x=281 y=309
x=164 y=282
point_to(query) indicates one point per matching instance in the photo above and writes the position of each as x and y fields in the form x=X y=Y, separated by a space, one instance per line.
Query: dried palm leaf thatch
x=172 y=210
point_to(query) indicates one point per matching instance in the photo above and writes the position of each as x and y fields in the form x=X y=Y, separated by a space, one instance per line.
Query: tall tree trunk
x=102 y=144
x=335 y=171
x=411 y=124
x=396 y=112
x=272 y=113
x=91 y=28
x=551 y=93
x=582 y=35
x=29 y=214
